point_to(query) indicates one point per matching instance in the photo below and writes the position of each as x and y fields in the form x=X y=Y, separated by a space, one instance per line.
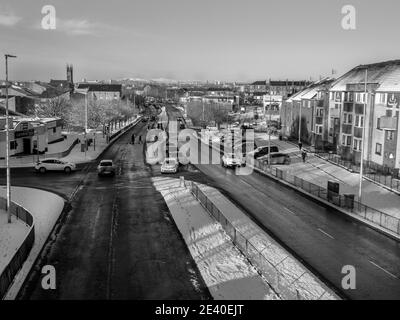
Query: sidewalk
x=226 y=272
x=75 y=155
x=320 y=171
x=11 y=237
x=45 y=208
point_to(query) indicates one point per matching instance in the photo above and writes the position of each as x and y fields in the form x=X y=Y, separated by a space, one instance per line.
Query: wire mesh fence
x=285 y=288
x=344 y=201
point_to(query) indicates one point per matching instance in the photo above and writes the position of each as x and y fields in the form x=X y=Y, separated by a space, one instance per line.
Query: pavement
x=118 y=241
x=321 y=237
x=320 y=171
x=75 y=155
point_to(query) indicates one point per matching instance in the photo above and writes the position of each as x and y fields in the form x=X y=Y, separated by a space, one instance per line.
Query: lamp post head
x=9 y=56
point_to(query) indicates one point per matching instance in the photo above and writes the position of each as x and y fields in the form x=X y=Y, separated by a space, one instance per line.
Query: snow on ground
x=295 y=274
x=320 y=171
x=226 y=272
x=11 y=237
x=45 y=208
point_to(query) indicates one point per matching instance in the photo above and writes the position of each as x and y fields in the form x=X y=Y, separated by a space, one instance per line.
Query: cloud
x=9 y=19
x=76 y=27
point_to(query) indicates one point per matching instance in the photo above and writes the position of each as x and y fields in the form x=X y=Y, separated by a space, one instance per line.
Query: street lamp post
x=8 y=145
x=301 y=102
x=363 y=138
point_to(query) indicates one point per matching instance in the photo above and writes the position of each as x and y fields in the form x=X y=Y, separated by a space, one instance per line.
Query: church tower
x=70 y=73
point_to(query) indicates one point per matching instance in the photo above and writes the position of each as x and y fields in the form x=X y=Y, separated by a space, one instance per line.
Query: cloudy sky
x=203 y=39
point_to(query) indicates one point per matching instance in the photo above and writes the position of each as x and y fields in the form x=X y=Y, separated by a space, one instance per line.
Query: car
x=170 y=165
x=262 y=151
x=231 y=160
x=276 y=158
x=106 y=167
x=52 y=164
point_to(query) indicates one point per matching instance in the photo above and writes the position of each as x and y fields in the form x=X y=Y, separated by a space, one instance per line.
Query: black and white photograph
x=192 y=157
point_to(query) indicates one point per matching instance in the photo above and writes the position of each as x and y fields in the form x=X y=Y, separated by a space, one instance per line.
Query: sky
x=225 y=40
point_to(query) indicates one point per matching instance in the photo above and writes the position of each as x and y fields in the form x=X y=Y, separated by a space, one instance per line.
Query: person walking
x=300 y=145
x=304 y=155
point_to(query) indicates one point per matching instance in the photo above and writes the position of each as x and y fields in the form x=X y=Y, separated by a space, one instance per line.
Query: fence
x=344 y=201
x=283 y=287
x=380 y=174
x=19 y=257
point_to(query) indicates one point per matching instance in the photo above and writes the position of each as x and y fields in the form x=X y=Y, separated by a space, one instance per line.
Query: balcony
x=388 y=123
x=347 y=129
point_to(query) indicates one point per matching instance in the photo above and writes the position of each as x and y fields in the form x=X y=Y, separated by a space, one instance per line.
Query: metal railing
x=266 y=267
x=344 y=201
x=9 y=272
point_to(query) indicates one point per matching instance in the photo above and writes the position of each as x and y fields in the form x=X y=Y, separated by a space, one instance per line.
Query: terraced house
x=375 y=87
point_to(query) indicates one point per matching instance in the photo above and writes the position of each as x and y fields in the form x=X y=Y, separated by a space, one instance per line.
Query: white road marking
x=389 y=273
x=327 y=234
x=288 y=210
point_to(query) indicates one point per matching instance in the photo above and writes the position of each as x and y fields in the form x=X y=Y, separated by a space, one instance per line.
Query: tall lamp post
x=363 y=137
x=8 y=145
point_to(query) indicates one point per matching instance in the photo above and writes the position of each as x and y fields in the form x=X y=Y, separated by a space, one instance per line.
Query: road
x=322 y=238
x=119 y=241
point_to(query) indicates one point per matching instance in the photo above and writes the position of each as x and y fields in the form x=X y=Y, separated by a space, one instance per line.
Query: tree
x=58 y=107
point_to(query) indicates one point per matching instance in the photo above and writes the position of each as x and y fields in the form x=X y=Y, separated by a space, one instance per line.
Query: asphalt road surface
x=321 y=237
x=119 y=241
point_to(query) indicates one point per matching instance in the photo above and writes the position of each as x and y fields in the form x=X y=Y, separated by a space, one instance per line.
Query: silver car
x=106 y=168
x=52 y=164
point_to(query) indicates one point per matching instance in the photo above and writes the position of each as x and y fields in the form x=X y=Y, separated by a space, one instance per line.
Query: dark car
x=276 y=158
x=262 y=151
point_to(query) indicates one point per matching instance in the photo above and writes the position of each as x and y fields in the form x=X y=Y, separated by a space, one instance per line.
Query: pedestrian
x=304 y=155
x=300 y=145
x=133 y=139
x=140 y=139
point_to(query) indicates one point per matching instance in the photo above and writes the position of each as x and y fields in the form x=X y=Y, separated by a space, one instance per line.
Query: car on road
x=262 y=151
x=231 y=160
x=276 y=158
x=169 y=165
x=52 y=164
x=106 y=168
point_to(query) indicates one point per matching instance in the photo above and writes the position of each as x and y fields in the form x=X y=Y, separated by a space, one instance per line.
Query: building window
x=378 y=149
x=338 y=96
x=390 y=135
x=381 y=98
x=357 y=144
x=318 y=129
x=346 y=140
x=378 y=124
x=320 y=112
x=13 y=145
x=359 y=121
x=347 y=118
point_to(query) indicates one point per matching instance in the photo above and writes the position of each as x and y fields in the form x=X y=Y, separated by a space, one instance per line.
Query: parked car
x=262 y=151
x=106 y=167
x=231 y=160
x=276 y=158
x=51 y=164
x=170 y=165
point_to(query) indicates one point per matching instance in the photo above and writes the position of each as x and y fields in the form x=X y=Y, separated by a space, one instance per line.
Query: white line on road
x=389 y=273
x=327 y=234
x=288 y=210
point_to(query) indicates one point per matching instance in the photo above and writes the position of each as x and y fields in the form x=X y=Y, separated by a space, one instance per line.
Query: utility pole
x=363 y=137
x=86 y=119
x=300 y=122
x=269 y=131
x=8 y=205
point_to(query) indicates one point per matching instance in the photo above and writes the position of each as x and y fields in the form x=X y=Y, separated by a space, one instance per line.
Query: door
x=26 y=146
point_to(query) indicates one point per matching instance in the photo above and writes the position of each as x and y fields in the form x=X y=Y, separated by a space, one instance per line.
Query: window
x=347 y=118
x=346 y=140
x=389 y=113
x=378 y=149
x=357 y=144
x=390 y=135
x=54 y=130
x=338 y=96
x=359 y=122
x=381 y=98
x=318 y=129
x=378 y=124
x=320 y=112
x=13 y=145
x=332 y=94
